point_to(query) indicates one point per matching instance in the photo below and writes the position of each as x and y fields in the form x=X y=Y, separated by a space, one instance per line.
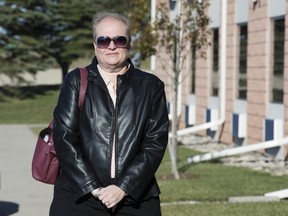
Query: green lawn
x=210 y=183
x=28 y=105
x=226 y=209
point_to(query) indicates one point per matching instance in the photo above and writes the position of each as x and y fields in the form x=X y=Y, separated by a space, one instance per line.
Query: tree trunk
x=173 y=139
x=64 y=68
x=174 y=122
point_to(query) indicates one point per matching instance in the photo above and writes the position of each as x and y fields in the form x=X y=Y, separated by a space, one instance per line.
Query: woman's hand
x=111 y=195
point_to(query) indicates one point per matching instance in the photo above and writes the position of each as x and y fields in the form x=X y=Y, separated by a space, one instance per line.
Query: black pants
x=64 y=204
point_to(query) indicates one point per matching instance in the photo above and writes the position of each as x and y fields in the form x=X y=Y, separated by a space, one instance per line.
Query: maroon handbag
x=45 y=165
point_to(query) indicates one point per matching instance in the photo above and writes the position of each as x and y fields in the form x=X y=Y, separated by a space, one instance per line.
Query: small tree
x=188 y=29
x=144 y=40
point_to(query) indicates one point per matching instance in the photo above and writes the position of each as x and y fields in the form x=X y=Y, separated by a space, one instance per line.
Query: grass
x=28 y=105
x=214 y=182
x=226 y=209
x=210 y=183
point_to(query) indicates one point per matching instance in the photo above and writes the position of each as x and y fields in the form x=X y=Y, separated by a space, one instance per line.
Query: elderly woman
x=110 y=150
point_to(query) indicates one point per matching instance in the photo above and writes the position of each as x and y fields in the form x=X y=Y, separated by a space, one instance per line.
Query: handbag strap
x=83 y=86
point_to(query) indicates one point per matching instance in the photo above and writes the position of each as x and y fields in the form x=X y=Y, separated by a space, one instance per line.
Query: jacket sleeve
x=142 y=169
x=66 y=137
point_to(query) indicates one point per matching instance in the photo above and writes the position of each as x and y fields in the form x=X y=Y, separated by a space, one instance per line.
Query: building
x=245 y=91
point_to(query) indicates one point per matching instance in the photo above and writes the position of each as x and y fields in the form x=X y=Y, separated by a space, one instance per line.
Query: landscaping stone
x=254 y=160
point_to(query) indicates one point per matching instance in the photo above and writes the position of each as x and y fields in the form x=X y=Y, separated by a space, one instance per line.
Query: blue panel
x=186 y=115
x=269 y=129
x=208 y=119
x=235 y=124
x=208 y=115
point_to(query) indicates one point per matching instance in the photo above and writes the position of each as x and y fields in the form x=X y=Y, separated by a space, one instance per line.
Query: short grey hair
x=103 y=15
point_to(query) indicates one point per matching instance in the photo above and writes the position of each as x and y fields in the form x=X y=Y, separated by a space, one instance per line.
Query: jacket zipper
x=114 y=135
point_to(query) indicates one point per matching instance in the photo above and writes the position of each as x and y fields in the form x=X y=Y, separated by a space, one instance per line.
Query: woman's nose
x=112 y=45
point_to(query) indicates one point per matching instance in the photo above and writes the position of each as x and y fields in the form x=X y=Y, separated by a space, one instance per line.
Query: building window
x=278 y=61
x=242 y=62
x=215 y=63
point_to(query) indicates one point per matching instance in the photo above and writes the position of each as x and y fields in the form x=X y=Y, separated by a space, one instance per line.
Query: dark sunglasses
x=103 y=42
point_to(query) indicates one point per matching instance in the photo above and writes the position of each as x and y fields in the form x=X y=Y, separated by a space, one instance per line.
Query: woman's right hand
x=111 y=195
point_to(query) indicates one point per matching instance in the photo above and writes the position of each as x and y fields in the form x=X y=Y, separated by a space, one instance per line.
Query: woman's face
x=111 y=58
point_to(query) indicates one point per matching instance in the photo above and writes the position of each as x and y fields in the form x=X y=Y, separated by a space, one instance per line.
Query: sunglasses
x=103 y=42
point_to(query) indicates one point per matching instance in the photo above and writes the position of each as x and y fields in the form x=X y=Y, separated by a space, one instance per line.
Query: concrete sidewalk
x=20 y=194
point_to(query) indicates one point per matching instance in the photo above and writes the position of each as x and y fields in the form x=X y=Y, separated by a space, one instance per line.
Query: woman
x=110 y=150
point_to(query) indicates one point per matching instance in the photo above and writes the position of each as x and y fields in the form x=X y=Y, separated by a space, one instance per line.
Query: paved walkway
x=20 y=194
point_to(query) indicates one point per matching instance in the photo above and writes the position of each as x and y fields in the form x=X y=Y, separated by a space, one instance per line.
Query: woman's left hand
x=111 y=195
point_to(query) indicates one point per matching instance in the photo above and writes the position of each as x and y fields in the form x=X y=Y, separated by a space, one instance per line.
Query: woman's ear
x=95 y=47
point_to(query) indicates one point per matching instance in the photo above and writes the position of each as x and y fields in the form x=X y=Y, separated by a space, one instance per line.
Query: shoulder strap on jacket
x=83 y=86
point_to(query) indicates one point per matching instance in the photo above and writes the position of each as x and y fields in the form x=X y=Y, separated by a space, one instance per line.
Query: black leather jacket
x=83 y=140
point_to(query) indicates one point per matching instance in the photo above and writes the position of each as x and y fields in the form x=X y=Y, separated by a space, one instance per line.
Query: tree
x=144 y=39
x=15 y=51
x=177 y=37
x=36 y=33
